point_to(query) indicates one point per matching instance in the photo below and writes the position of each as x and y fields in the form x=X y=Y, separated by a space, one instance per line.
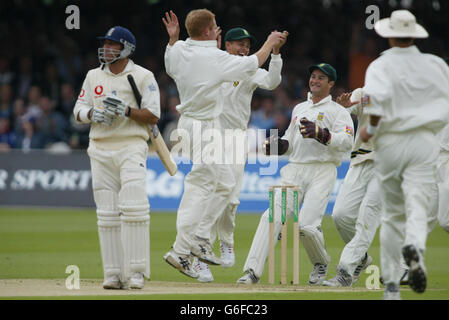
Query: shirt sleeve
x=170 y=62
x=150 y=96
x=342 y=132
x=84 y=102
x=236 y=68
x=377 y=89
x=270 y=79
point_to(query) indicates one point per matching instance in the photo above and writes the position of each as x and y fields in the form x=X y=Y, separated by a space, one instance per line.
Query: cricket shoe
x=249 y=278
x=113 y=282
x=342 y=279
x=202 y=249
x=137 y=281
x=181 y=262
x=392 y=292
x=366 y=261
x=417 y=277
x=227 y=255
x=204 y=274
x=318 y=274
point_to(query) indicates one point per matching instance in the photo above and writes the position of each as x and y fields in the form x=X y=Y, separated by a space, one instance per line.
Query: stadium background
x=43 y=64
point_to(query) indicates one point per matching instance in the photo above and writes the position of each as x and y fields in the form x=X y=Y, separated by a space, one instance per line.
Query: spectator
x=18 y=114
x=32 y=108
x=7 y=138
x=67 y=101
x=29 y=138
x=52 y=124
x=6 y=101
x=264 y=117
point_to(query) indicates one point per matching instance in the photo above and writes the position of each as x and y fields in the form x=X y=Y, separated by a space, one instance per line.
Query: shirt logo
x=152 y=87
x=236 y=83
x=98 y=90
x=82 y=93
x=366 y=101
x=320 y=116
x=349 y=131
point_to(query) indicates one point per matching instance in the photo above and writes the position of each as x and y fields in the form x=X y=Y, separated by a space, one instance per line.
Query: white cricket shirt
x=327 y=114
x=123 y=131
x=408 y=89
x=199 y=68
x=236 y=96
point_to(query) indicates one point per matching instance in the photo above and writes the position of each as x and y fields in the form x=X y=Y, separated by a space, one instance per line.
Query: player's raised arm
x=274 y=39
x=172 y=26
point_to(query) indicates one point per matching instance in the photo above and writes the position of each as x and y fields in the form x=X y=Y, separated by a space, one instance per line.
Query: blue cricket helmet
x=121 y=35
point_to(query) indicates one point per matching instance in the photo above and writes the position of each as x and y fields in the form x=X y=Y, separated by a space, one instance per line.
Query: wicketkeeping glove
x=102 y=115
x=115 y=104
x=279 y=146
x=310 y=129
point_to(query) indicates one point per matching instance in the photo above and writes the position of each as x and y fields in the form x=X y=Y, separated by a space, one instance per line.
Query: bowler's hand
x=172 y=25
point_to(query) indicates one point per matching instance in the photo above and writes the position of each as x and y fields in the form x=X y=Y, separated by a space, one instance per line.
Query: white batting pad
x=136 y=243
x=109 y=231
x=313 y=241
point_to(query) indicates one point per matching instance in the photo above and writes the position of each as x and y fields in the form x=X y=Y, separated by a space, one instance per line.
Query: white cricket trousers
x=443 y=189
x=236 y=146
x=405 y=165
x=315 y=182
x=357 y=213
x=208 y=180
x=119 y=187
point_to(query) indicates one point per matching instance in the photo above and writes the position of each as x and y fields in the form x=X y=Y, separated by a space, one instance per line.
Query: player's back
x=418 y=90
x=199 y=68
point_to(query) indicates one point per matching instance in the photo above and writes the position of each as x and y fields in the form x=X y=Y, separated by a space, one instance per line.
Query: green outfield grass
x=41 y=243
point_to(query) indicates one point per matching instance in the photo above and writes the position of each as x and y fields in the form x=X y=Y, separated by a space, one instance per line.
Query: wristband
x=128 y=112
x=371 y=130
x=84 y=115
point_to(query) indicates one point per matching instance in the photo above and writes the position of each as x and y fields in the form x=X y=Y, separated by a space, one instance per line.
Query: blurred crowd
x=43 y=64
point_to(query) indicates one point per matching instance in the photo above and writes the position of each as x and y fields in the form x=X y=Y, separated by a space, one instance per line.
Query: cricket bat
x=155 y=136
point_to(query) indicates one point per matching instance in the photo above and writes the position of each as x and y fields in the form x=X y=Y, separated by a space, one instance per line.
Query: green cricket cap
x=237 y=34
x=327 y=69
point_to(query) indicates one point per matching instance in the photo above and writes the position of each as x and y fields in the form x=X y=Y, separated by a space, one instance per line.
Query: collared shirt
x=408 y=89
x=101 y=82
x=237 y=95
x=327 y=114
x=199 y=68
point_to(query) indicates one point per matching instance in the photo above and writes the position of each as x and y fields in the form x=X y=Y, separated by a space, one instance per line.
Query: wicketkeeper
x=118 y=152
x=320 y=132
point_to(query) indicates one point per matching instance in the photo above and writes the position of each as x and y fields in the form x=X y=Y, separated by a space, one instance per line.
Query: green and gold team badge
x=320 y=116
x=236 y=83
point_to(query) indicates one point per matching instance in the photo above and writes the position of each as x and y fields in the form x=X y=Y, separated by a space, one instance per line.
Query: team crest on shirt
x=366 y=101
x=236 y=83
x=320 y=116
x=349 y=131
x=152 y=87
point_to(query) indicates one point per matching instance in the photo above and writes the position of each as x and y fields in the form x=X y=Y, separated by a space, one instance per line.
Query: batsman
x=118 y=151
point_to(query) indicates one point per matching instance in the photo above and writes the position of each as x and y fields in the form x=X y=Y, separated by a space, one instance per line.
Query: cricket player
x=319 y=134
x=118 y=152
x=198 y=68
x=407 y=101
x=234 y=121
x=357 y=209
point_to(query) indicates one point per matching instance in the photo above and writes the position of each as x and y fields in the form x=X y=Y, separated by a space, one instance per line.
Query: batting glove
x=115 y=104
x=102 y=115
x=310 y=129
